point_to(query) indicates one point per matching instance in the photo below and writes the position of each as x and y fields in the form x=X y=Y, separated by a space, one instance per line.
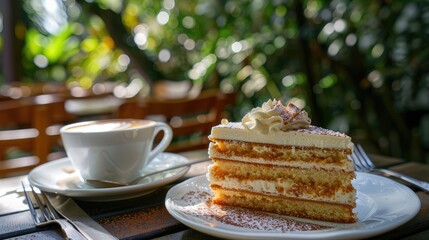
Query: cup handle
x=168 y=135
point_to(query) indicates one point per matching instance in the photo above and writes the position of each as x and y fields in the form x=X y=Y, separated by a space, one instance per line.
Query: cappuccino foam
x=106 y=126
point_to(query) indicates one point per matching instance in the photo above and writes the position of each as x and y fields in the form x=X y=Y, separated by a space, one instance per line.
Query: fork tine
x=357 y=159
x=360 y=159
x=49 y=206
x=42 y=208
x=356 y=164
x=365 y=157
x=30 y=205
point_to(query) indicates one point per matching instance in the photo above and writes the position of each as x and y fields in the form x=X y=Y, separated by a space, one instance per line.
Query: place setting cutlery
x=50 y=208
x=47 y=215
x=363 y=163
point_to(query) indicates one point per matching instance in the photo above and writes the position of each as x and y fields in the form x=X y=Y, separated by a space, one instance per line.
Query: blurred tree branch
x=306 y=59
x=123 y=39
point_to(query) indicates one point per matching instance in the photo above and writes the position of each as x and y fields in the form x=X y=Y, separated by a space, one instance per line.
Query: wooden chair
x=96 y=102
x=190 y=119
x=31 y=126
x=22 y=90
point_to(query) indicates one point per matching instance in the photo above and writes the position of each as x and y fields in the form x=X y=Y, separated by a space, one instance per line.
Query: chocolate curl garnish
x=293 y=117
x=289 y=112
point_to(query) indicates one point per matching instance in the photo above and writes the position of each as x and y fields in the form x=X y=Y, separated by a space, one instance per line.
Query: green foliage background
x=356 y=66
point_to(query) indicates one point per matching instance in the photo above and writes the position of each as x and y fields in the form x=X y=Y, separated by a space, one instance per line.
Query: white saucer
x=59 y=176
x=382 y=205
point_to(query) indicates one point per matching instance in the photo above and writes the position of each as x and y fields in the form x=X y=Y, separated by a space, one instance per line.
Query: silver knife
x=76 y=216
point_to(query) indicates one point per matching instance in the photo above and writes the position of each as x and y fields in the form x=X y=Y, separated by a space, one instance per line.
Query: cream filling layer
x=313 y=137
x=272 y=188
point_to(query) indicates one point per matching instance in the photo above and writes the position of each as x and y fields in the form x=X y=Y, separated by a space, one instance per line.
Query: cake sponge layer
x=285 y=181
x=287 y=206
x=293 y=156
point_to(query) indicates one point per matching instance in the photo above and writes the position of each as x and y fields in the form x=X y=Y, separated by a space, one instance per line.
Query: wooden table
x=146 y=217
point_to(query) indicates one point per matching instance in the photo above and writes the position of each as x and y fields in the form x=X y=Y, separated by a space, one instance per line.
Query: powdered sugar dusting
x=322 y=131
x=198 y=203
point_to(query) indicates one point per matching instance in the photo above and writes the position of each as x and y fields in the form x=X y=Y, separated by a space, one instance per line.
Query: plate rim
x=318 y=234
x=103 y=192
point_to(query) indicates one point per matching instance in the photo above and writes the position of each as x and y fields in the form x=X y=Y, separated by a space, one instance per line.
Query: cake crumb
x=224 y=121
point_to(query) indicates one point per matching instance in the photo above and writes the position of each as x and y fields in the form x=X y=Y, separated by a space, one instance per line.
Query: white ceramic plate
x=382 y=205
x=60 y=177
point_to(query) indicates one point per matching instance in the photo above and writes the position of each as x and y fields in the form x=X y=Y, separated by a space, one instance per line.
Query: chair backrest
x=21 y=90
x=190 y=119
x=28 y=126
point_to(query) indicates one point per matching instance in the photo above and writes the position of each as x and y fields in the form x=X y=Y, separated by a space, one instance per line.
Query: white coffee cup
x=115 y=150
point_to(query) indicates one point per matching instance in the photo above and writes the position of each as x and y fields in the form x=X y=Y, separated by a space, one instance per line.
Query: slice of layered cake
x=275 y=161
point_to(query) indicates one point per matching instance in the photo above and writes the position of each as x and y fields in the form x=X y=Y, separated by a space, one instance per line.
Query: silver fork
x=364 y=164
x=48 y=215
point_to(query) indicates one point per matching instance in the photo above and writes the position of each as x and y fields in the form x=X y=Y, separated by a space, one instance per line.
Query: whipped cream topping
x=273 y=116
